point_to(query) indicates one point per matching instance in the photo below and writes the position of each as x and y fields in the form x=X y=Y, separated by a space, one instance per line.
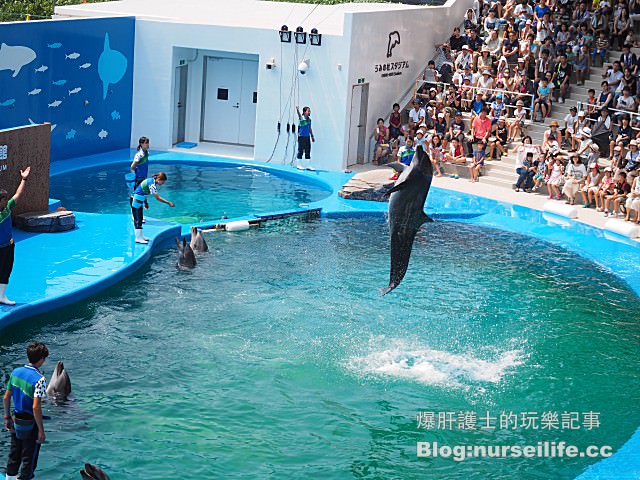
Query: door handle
x=179 y=105
x=237 y=105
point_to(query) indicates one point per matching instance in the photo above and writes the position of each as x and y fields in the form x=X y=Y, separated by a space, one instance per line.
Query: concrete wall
x=160 y=47
x=418 y=29
x=26 y=146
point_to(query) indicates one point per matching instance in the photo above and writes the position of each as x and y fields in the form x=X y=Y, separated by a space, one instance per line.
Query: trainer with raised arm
x=7 y=245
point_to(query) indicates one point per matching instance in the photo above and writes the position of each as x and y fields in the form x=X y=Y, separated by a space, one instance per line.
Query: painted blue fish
x=59 y=82
x=115 y=115
x=8 y=103
x=54 y=45
x=71 y=134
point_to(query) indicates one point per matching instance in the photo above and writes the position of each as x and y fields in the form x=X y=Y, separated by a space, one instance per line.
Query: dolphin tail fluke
x=384 y=291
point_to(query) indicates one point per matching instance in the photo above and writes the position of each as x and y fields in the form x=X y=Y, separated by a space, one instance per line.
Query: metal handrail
x=474 y=88
x=579 y=106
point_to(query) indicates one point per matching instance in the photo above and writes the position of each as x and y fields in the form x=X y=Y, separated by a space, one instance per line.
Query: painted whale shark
x=15 y=57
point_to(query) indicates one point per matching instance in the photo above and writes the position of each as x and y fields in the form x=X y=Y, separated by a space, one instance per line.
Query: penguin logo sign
x=394 y=40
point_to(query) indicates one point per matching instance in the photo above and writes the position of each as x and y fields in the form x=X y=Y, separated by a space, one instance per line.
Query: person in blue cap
x=149 y=186
x=7 y=245
x=26 y=387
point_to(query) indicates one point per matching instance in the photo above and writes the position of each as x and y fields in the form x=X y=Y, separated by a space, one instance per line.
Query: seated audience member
x=499 y=139
x=632 y=204
x=592 y=185
x=606 y=187
x=575 y=175
x=395 y=122
x=477 y=162
x=620 y=192
x=381 y=136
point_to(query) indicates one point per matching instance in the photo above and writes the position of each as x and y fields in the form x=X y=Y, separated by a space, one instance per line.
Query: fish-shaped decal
x=55 y=103
x=115 y=115
x=75 y=90
x=35 y=91
x=15 y=57
x=8 y=103
x=54 y=45
x=85 y=65
x=89 y=120
x=59 y=82
x=103 y=134
x=42 y=68
x=72 y=56
x=70 y=134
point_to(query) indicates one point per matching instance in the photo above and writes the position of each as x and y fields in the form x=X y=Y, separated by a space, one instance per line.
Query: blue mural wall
x=75 y=74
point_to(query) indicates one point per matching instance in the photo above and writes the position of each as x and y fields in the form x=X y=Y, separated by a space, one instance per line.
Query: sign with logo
x=391 y=68
x=3 y=158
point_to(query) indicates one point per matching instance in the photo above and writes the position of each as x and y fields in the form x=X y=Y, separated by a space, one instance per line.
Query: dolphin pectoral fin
x=384 y=291
x=395 y=188
x=397 y=166
x=426 y=218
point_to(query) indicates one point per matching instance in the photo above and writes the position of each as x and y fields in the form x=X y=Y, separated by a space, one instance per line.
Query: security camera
x=271 y=64
x=303 y=67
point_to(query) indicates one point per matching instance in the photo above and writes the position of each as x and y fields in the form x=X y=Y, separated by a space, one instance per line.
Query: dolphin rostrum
x=60 y=384
x=93 y=472
x=406 y=212
x=198 y=244
x=186 y=257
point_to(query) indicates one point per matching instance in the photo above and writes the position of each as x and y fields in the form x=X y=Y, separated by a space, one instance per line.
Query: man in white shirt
x=613 y=75
x=570 y=121
x=626 y=101
x=464 y=58
x=416 y=115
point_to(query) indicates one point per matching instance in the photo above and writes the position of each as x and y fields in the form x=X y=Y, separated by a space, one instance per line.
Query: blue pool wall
x=617 y=254
x=75 y=74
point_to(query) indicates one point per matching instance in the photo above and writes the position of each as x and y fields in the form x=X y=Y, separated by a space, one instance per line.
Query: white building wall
x=323 y=88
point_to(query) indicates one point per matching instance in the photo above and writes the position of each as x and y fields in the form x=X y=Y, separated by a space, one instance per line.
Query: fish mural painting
x=75 y=74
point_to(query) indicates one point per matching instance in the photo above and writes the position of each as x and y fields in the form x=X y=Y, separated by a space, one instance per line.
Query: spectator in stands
x=436 y=153
x=592 y=185
x=620 y=192
x=574 y=177
x=406 y=152
x=600 y=48
x=582 y=64
x=525 y=170
x=562 y=37
x=629 y=60
x=617 y=159
x=498 y=108
x=456 y=41
x=518 y=123
x=499 y=139
x=491 y=21
x=416 y=116
x=464 y=58
x=456 y=153
x=444 y=62
x=613 y=75
x=598 y=24
x=542 y=101
x=561 y=78
x=470 y=20
x=395 y=122
x=481 y=129
x=477 y=106
x=523 y=13
x=621 y=27
x=544 y=65
x=485 y=62
x=632 y=203
x=478 y=161
x=632 y=161
x=570 y=121
x=511 y=48
x=457 y=128
x=381 y=136
x=474 y=42
x=628 y=80
x=623 y=136
x=606 y=188
x=556 y=178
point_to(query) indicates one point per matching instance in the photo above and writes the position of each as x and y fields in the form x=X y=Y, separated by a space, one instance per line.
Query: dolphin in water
x=60 y=384
x=198 y=244
x=93 y=472
x=186 y=257
x=406 y=212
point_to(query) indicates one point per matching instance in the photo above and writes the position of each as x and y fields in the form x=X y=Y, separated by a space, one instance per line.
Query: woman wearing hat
x=484 y=60
x=519 y=114
x=552 y=135
x=485 y=82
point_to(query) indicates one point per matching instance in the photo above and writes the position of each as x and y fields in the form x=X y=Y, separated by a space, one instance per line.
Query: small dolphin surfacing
x=406 y=212
x=186 y=257
x=93 y=472
x=198 y=243
x=60 y=383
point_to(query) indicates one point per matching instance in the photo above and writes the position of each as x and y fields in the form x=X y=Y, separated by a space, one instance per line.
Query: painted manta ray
x=406 y=212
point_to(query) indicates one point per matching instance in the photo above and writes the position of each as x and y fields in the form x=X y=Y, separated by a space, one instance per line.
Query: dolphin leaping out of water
x=93 y=472
x=406 y=212
x=60 y=384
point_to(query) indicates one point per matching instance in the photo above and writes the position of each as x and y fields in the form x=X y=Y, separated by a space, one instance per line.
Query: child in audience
x=477 y=162
x=606 y=188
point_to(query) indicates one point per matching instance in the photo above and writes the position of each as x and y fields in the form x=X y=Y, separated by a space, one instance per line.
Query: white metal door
x=221 y=111
x=358 y=124
x=248 y=102
x=180 y=104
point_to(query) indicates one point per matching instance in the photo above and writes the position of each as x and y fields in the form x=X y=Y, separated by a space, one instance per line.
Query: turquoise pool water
x=275 y=357
x=200 y=193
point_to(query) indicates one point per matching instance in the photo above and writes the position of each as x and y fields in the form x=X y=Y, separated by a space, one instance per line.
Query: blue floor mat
x=186 y=145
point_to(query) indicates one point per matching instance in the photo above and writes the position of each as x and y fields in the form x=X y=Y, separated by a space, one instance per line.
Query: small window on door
x=223 y=94
x=255 y=97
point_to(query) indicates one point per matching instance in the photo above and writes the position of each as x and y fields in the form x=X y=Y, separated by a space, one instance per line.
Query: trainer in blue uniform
x=26 y=387
x=140 y=164
x=305 y=133
x=7 y=245
x=148 y=186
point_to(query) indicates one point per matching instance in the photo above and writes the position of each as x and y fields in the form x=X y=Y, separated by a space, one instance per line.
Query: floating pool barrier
x=629 y=230
x=243 y=225
x=568 y=211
